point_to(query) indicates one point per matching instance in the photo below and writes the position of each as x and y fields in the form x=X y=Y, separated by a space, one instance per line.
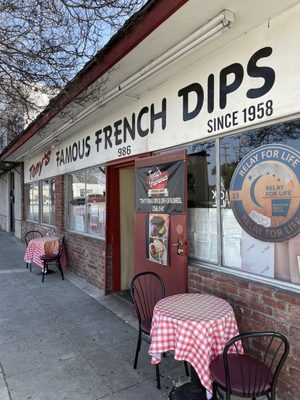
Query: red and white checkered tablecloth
x=196 y=327
x=41 y=246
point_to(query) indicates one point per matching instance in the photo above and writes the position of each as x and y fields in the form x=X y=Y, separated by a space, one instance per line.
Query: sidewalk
x=63 y=340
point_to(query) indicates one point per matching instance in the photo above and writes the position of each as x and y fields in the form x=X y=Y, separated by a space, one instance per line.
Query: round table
x=196 y=327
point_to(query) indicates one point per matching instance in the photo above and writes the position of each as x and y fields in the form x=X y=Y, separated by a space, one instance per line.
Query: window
x=48 y=189
x=39 y=202
x=32 y=197
x=86 y=203
x=239 y=248
x=202 y=211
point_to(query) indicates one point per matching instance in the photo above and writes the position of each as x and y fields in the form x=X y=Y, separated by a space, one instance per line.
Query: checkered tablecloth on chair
x=196 y=327
x=41 y=246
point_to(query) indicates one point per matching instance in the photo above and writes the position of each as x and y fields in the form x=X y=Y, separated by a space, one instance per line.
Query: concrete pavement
x=64 y=340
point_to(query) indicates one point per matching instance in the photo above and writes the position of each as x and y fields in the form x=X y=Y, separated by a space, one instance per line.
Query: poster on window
x=265 y=191
x=158 y=238
x=257 y=256
x=160 y=188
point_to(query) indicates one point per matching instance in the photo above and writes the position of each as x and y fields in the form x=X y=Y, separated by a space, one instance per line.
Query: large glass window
x=76 y=184
x=270 y=197
x=48 y=187
x=202 y=211
x=32 y=202
x=86 y=191
x=39 y=202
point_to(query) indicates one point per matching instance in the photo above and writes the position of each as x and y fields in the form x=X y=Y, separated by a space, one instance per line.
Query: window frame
x=51 y=208
x=220 y=267
x=40 y=203
x=68 y=197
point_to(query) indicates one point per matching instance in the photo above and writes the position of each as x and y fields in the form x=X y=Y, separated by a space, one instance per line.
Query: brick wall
x=59 y=204
x=86 y=258
x=109 y=268
x=33 y=226
x=259 y=307
x=86 y=255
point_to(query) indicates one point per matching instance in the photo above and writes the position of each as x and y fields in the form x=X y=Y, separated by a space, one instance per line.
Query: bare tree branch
x=43 y=45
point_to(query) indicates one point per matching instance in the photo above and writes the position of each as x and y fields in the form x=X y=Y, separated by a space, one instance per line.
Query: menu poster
x=158 y=238
x=160 y=188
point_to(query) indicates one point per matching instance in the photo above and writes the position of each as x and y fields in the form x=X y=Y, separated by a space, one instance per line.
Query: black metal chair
x=146 y=289
x=53 y=258
x=252 y=373
x=28 y=237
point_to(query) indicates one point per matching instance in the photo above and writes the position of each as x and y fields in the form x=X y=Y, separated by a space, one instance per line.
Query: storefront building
x=186 y=162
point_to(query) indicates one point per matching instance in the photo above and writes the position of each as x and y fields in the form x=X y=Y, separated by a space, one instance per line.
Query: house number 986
x=124 y=151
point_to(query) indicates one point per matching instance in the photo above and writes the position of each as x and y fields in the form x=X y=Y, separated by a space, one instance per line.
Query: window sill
x=87 y=235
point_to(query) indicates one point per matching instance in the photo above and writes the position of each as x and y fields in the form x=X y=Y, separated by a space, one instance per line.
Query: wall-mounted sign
x=160 y=188
x=254 y=81
x=265 y=193
x=37 y=168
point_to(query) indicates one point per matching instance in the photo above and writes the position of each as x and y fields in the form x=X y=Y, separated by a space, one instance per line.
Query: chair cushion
x=246 y=374
x=49 y=257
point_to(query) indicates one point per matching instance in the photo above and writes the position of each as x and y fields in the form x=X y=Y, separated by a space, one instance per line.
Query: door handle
x=179 y=244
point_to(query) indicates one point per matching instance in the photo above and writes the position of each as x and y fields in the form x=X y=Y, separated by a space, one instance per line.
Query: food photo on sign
x=158 y=237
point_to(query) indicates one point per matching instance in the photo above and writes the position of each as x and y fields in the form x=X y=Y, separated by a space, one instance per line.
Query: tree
x=43 y=44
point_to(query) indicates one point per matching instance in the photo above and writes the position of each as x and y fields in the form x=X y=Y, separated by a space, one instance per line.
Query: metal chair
x=146 y=289
x=28 y=237
x=252 y=373
x=53 y=258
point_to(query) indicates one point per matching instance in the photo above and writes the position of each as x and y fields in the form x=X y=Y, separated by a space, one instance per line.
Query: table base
x=193 y=390
x=188 y=391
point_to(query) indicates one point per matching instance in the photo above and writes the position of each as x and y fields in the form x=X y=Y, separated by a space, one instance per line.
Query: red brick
x=295 y=332
x=274 y=303
x=294 y=309
x=287 y=297
x=250 y=296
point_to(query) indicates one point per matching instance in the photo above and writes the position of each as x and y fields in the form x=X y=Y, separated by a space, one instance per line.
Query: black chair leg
x=157 y=376
x=44 y=271
x=61 y=271
x=138 y=348
x=186 y=368
x=30 y=267
x=214 y=394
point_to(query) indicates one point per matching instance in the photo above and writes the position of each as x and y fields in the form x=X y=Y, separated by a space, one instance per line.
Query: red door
x=162 y=229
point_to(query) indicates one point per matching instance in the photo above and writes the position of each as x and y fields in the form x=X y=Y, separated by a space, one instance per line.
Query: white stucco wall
x=18 y=202
x=17 y=194
x=3 y=201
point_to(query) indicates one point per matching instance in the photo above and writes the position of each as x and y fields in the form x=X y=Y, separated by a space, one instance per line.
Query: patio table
x=196 y=327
